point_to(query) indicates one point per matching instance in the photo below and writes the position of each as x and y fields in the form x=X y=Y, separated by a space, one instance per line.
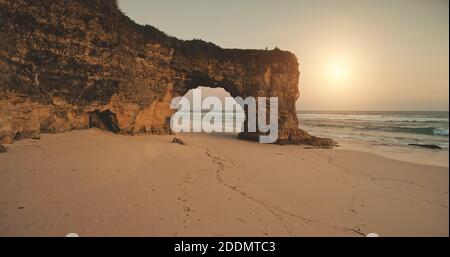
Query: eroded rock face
x=80 y=63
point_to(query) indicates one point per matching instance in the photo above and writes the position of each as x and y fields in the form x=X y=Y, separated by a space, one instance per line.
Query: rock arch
x=57 y=70
x=232 y=117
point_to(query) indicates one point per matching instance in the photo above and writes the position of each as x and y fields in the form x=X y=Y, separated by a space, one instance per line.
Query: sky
x=353 y=55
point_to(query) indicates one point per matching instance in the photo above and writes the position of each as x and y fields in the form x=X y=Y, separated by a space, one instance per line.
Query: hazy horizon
x=353 y=55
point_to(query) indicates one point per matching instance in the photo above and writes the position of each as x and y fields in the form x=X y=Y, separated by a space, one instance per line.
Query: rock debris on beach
x=177 y=140
x=427 y=146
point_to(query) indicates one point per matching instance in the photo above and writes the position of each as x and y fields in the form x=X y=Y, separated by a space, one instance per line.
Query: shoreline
x=438 y=158
x=97 y=183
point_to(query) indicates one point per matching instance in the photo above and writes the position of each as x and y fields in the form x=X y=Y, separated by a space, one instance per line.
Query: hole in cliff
x=105 y=120
x=17 y=136
x=231 y=113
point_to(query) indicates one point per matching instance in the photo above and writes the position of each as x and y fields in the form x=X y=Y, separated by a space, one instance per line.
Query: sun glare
x=337 y=71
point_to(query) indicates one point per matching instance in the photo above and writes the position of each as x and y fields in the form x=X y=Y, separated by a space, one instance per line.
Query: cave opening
x=105 y=120
x=232 y=118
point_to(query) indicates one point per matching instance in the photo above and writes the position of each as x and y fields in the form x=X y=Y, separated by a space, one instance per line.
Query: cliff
x=81 y=63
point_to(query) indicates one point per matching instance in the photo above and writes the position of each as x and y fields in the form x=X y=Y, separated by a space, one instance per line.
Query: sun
x=337 y=71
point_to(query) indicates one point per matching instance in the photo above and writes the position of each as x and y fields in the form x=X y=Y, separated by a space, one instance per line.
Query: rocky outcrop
x=81 y=63
x=428 y=146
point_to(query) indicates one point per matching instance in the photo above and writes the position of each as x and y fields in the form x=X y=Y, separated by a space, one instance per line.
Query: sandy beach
x=97 y=183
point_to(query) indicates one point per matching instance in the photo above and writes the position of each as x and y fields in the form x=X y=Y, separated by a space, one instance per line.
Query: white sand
x=96 y=183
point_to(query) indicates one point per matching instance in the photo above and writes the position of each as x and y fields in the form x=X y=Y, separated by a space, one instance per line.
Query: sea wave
x=380 y=118
x=418 y=130
x=387 y=128
x=437 y=131
x=441 y=132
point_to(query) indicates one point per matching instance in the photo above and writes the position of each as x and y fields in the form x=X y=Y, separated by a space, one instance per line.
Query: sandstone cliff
x=74 y=64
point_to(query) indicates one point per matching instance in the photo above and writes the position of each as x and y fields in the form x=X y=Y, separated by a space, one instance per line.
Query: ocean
x=379 y=128
x=376 y=128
